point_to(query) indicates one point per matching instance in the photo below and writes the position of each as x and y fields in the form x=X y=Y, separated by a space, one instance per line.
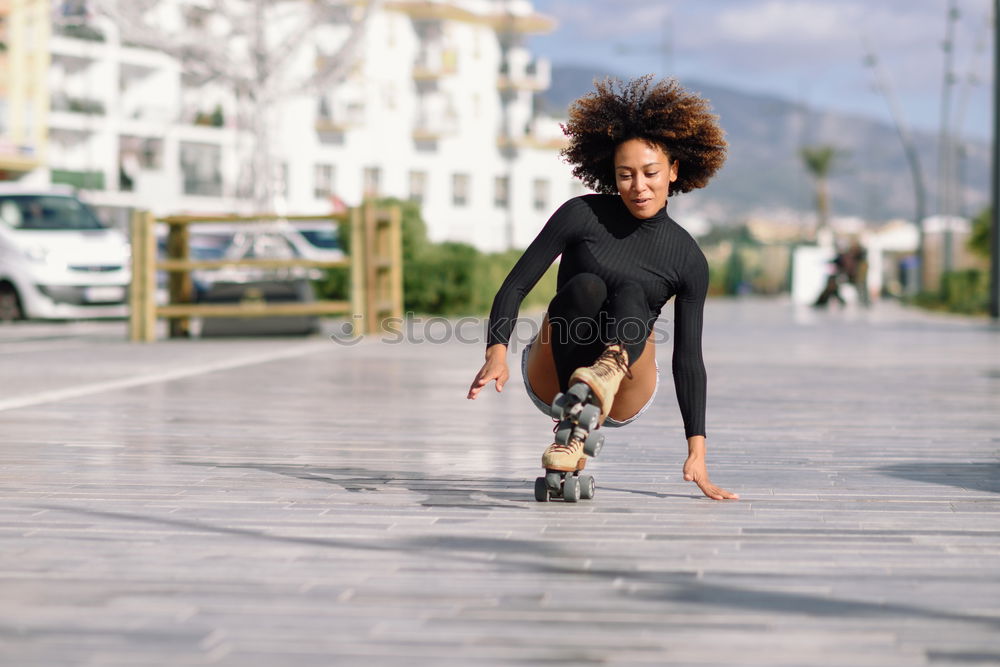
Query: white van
x=57 y=259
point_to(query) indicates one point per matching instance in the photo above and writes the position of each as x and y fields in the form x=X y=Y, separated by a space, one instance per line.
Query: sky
x=808 y=51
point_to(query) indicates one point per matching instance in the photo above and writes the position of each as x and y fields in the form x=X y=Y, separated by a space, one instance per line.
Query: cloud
x=812 y=38
x=802 y=49
x=787 y=21
x=784 y=32
x=621 y=20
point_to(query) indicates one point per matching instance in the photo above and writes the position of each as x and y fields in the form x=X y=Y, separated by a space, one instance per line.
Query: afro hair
x=663 y=114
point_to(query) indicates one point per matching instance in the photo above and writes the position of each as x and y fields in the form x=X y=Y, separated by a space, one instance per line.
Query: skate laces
x=610 y=362
x=571 y=445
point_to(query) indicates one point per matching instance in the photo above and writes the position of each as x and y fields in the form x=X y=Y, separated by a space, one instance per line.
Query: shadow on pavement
x=540 y=556
x=440 y=492
x=971 y=476
x=654 y=494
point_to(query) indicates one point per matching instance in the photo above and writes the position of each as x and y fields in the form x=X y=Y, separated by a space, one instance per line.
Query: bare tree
x=254 y=48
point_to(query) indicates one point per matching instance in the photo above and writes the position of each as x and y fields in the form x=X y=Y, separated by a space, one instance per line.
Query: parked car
x=316 y=240
x=235 y=284
x=57 y=259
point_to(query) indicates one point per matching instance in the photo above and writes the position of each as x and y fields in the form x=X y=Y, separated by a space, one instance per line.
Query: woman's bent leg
x=632 y=396
x=629 y=322
x=571 y=337
x=573 y=318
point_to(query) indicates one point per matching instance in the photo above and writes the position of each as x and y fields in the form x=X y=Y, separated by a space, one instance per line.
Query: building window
x=460 y=189
x=135 y=154
x=501 y=192
x=541 y=194
x=418 y=186
x=201 y=166
x=372 y=181
x=323 y=177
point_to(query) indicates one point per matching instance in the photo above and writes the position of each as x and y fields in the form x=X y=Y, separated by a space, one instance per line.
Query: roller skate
x=563 y=461
x=580 y=412
x=603 y=377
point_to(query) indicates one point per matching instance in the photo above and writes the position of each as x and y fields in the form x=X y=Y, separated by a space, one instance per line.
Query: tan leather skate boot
x=567 y=458
x=604 y=376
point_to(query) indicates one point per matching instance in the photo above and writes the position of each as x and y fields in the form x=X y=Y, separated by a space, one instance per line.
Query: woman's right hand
x=495 y=369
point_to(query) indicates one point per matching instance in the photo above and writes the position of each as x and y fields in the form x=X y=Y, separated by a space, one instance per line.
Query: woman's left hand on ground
x=494 y=370
x=695 y=471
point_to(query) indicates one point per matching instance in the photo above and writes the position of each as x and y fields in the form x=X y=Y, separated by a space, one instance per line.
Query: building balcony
x=512 y=17
x=144 y=120
x=523 y=24
x=82 y=31
x=72 y=128
x=434 y=64
x=528 y=141
x=433 y=127
x=433 y=10
x=83 y=180
x=71 y=49
x=340 y=120
x=18 y=159
x=77 y=105
x=518 y=74
x=204 y=119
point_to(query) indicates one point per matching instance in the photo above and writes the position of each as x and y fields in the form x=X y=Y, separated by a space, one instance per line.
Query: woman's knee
x=629 y=319
x=582 y=295
x=629 y=294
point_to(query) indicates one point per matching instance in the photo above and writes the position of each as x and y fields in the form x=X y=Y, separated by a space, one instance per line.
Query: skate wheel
x=589 y=417
x=564 y=431
x=587 y=486
x=579 y=391
x=571 y=489
x=593 y=444
x=553 y=480
x=558 y=407
x=541 y=490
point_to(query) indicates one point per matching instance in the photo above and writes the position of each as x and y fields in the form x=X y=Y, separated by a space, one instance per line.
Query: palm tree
x=819 y=161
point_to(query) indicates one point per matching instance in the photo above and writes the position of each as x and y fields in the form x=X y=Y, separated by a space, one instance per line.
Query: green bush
x=979 y=240
x=441 y=280
x=966 y=291
x=447 y=278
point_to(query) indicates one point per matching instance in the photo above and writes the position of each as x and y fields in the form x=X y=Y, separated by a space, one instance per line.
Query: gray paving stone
x=270 y=502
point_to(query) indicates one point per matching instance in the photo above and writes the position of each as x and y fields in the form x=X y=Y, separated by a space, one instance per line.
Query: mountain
x=764 y=172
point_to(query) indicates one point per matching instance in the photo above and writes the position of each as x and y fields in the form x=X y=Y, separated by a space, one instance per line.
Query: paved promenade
x=303 y=502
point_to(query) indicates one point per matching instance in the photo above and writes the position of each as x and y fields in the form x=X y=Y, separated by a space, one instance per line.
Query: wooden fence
x=375 y=261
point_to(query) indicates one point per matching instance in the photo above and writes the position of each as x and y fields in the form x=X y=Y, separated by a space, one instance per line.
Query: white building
x=438 y=109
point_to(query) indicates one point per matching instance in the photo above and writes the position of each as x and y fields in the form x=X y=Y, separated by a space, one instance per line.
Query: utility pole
x=995 y=207
x=945 y=137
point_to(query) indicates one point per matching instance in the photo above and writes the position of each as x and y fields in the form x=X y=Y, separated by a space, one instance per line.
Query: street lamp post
x=945 y=139
x=912 y=159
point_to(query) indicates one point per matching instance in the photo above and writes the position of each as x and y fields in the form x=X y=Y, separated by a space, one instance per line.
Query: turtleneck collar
x=658 y=217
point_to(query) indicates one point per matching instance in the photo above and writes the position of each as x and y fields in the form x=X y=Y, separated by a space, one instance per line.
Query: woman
x=623 y=258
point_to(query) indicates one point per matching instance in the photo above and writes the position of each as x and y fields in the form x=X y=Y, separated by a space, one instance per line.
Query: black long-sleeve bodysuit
x=597 y=234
